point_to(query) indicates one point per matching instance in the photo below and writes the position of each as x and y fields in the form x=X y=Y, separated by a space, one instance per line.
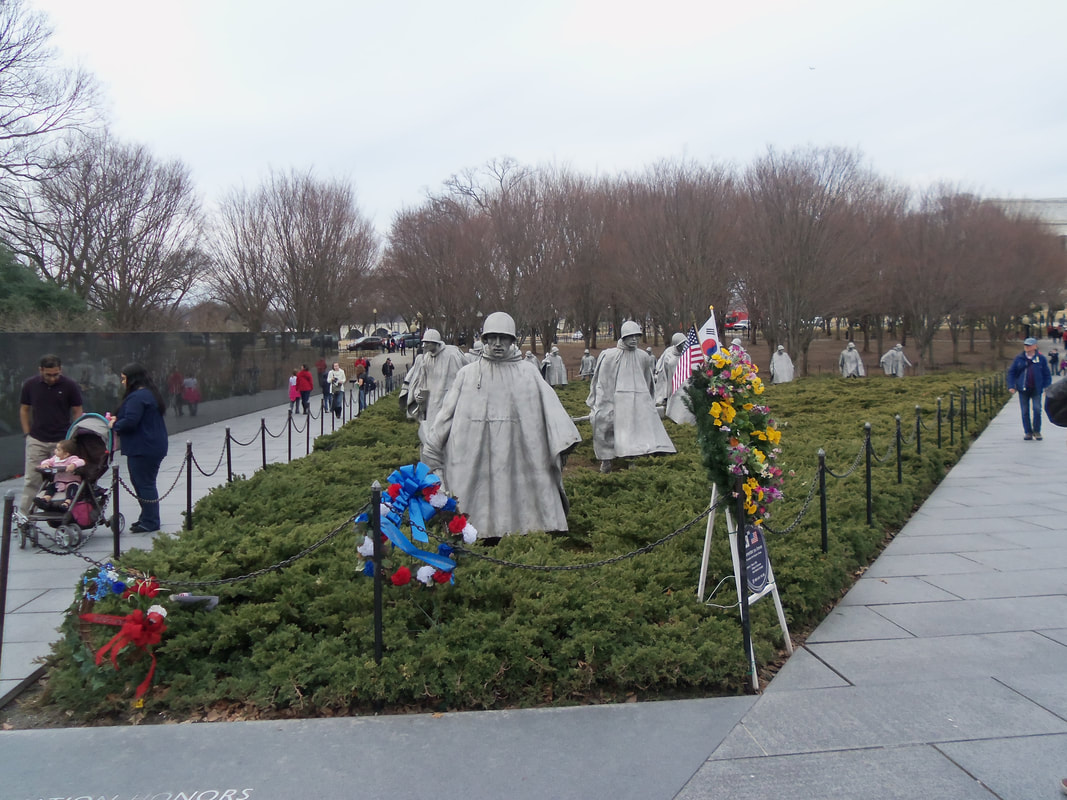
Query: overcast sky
x=397 y=96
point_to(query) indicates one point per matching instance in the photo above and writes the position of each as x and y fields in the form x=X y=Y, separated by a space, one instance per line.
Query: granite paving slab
x=987 y=585
x=1026 y=768
x=643 y=751
x=884 y=773
x=939 y=524
x=978 y=616
x=855 y=623
x=816 y=720
x=1023 y=559
x=804 y=671
x=876 y=591
x=888 y=566
x=953 y=657
x=1047 y=689
x=958 y=543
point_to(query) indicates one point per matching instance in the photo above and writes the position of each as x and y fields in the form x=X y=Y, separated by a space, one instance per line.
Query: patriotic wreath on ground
x=415 y=492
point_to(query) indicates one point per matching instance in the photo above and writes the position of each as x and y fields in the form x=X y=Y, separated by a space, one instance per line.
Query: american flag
x=691 y=357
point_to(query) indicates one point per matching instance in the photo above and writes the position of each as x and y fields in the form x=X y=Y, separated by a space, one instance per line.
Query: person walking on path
x=48 y=403
x=387 y=373
x=304 y=385
x=142 y=431
x=1028 y=377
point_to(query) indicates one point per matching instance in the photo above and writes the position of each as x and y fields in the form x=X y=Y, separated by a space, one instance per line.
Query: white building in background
x=1051 y=211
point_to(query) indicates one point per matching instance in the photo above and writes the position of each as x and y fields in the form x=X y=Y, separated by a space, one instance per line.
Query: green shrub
x=300 y=640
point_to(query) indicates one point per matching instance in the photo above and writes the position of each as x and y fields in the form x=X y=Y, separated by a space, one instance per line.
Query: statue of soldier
x=499 y=440
x=781 y=366
x=851 y=363
x=673 y=402
x=621 y=396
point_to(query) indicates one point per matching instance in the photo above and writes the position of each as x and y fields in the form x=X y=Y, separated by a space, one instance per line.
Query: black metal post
x=963 y=414
x=900 y=466
x=116 y=529
x=5 y=559
x=307 y=436
x=229 y=458
x=188 y=485
x=867 y=447
x=939 y=423
x=822 y=499
x=918 y=430
x=263 y=439
x=952 y=419
x=376 y=534
x=289 y=433
x=742 y=570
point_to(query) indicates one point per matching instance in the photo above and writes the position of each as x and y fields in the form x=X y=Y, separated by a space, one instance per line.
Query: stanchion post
x=822 y=500
x=939 y=423
x=289 y=433
x=742 y=570
x=188 y=485
x=867 y=447
x=116 y=529
x=307 y=435
x=963 y=414
x=229 y=457
x=900 y=466
x=918 y=430
x=952 y=419
x=5 y=559
x=376 y=535
x=263 y=439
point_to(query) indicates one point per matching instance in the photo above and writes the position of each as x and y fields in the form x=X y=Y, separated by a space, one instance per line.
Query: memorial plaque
x=756 y=559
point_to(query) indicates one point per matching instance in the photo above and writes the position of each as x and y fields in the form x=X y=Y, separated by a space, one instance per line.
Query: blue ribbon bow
x=412 y=480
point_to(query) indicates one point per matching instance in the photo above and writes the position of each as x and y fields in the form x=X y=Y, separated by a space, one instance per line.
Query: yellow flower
x=774 y=436
x=748 y=406
x=737 y=372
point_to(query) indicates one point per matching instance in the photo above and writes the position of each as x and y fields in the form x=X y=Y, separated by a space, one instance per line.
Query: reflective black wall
x=235 y=373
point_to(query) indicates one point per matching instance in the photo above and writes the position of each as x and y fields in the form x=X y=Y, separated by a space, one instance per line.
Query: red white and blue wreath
x=415 y=492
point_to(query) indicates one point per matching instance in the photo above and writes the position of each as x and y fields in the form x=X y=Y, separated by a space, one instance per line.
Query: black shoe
x=1027 y=438
x=1037 y=436
x=137 y=527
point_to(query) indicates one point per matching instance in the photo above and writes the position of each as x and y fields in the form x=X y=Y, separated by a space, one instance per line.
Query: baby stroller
x=70 y=523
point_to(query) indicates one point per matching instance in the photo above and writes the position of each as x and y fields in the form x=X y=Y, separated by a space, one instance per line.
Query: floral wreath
x=415 y=491
x=737 y=435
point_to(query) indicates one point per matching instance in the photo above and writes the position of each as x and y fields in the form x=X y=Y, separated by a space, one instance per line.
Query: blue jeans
x=143 y=473
x=1030 y=402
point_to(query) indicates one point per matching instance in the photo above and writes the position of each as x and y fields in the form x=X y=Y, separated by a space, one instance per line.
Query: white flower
x=438 y=499
x=425 y=574
x=367 y=548
x=157 y=610
x=470 y=534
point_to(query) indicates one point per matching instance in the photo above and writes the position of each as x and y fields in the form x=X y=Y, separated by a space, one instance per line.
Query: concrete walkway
x=942 y=674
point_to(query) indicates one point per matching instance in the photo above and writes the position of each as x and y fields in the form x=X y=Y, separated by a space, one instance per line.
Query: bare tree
x=679 y=228
x=116 y=227
x=323 y=247
x=803 y=237
x=244 y=273
x=38 y=99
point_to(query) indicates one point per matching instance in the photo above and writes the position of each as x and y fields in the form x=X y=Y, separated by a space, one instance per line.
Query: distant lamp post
x=374 y=332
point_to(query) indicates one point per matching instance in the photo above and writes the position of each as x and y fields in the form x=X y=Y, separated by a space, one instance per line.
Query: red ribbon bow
x=137 y=628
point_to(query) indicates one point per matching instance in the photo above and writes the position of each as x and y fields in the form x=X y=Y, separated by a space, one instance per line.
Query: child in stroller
x=61 y=477
x=82 y=505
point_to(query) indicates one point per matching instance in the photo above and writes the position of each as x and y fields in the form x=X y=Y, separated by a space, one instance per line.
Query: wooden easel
x=770 y=589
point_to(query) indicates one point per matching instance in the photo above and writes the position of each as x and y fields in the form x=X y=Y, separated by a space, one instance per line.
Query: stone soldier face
x=431 y=348
x=630 y=342
x=498 y=345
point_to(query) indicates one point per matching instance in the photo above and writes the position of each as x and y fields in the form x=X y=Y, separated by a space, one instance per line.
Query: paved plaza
x=941 y=674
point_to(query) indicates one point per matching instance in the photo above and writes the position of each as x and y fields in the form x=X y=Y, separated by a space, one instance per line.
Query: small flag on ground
x=690 y=358
x=709 y=336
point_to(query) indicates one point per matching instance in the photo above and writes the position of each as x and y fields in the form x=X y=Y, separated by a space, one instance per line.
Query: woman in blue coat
x=143 y=438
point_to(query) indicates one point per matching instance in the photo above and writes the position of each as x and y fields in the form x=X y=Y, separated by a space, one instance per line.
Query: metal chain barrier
x=885 y=458
x=239 y=443
x=277 y=435
x=575 y=567
x=163 y=496
x=853 y=468
x=800 y=514
x=196 y=463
